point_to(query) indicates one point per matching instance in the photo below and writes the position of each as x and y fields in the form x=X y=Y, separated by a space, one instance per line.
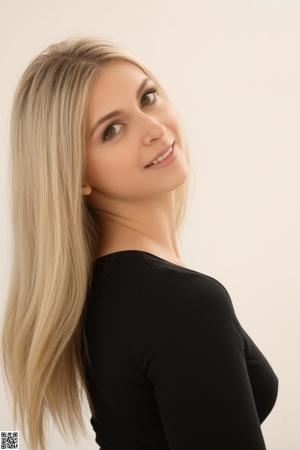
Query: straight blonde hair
x=55 y=234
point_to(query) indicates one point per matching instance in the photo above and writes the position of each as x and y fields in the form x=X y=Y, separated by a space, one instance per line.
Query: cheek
x=174 y=121
x=114 y=176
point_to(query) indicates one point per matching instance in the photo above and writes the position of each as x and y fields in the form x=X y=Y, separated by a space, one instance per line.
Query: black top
x=171 y=367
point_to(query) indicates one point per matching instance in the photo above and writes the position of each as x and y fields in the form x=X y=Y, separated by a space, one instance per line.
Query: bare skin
x=135 y=205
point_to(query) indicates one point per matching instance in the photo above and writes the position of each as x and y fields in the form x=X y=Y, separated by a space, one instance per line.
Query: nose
x=153 y=129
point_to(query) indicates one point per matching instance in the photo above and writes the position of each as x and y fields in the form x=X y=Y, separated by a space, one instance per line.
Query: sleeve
x=199 y=373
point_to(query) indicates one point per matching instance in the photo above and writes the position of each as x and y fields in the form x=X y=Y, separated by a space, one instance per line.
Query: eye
x=151 y=91
x=106 y=132
x=113 y=124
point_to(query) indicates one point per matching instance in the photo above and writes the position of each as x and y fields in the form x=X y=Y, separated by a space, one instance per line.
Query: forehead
x=115 y=79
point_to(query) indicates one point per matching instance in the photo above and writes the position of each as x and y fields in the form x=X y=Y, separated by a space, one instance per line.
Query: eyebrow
x=117 y=112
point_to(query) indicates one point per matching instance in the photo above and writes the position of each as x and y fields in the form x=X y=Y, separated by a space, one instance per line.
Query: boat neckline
x=119 y=252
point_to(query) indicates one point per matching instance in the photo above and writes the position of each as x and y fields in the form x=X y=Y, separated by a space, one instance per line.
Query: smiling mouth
x=162 y=157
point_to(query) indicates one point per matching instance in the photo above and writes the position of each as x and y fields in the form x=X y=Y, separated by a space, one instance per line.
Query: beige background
x=232 y=69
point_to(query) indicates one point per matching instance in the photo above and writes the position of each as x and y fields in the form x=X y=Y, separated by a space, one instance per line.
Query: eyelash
x=150 y=91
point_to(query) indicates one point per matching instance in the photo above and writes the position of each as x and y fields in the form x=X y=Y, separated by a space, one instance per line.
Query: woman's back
x=170 y=365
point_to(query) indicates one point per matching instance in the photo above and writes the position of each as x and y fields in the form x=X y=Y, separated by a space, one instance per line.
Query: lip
x=159 y=154
x=165 y=162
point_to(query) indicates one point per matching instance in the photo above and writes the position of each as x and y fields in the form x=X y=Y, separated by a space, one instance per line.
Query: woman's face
x=120 y=147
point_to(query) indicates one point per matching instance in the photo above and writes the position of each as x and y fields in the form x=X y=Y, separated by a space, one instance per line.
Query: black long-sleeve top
x=170 y=366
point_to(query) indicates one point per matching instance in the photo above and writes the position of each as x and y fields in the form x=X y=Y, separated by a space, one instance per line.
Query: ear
x=86 y=190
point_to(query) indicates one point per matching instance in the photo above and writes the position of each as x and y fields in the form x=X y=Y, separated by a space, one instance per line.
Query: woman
x=100 y=300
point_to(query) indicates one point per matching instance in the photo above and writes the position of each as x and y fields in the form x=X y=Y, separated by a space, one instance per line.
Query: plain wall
x=232 y=69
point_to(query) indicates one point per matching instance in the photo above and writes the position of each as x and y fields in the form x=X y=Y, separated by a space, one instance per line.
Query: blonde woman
x=100 y=301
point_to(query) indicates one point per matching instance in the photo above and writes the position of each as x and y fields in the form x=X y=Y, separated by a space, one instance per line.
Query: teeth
x=155 y=161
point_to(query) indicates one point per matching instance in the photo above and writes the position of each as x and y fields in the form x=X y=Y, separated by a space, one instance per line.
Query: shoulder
x=166 y=311
x=137 y=272
x=151 y=292
x=159 y=307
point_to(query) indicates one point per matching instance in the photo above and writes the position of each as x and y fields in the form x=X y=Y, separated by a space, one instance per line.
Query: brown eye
x=151 y=91
x=110 y=127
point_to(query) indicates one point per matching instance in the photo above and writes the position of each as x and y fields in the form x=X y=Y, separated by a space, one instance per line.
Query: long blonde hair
x=55 y=234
